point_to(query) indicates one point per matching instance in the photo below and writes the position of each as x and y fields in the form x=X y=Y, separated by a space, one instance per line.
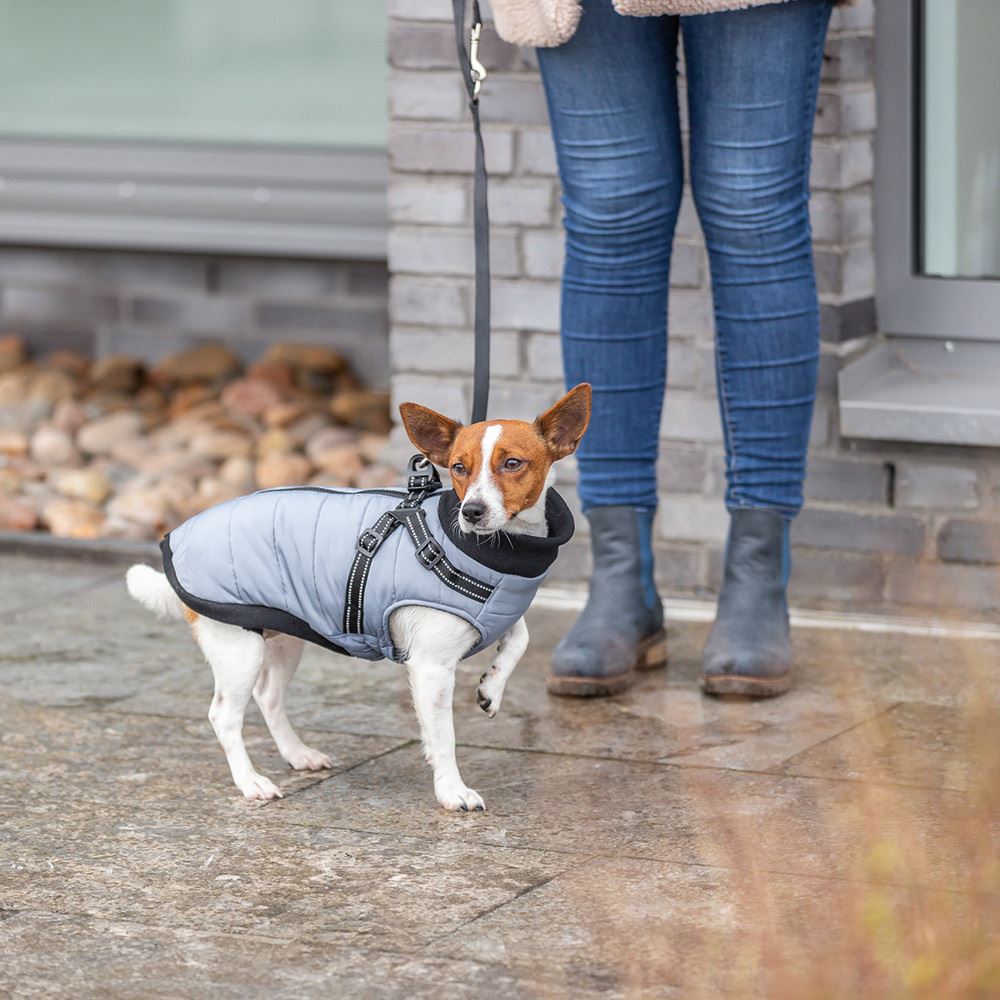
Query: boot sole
x=652 y=655
x=745 y=686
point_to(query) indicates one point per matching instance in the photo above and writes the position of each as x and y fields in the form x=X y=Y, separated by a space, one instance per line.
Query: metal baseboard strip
x=681 y=610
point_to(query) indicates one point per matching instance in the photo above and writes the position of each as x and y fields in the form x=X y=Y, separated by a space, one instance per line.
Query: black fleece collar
x=518 y=555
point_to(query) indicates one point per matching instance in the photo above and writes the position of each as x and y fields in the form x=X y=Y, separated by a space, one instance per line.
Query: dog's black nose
x=473 y=511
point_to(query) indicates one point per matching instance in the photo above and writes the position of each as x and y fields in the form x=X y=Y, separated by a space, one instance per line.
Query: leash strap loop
x=473 y=73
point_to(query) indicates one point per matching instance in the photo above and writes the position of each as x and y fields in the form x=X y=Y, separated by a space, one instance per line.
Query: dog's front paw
x=306 y=759
x=258 y=787
x=455 y=797
x=489 y=694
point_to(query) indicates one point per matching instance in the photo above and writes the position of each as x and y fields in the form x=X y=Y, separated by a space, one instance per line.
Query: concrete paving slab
x=654 y=844
x=700 y=932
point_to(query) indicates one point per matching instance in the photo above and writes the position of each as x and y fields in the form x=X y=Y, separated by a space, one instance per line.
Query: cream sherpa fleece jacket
x=544 y=23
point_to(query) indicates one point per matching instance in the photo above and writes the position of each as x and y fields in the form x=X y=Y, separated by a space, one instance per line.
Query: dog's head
x=499 y=468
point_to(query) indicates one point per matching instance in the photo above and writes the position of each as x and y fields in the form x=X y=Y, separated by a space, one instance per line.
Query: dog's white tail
x=153 y=591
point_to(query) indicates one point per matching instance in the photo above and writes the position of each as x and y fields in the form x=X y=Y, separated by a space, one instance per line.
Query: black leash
x=423 y=479
x=473 y=73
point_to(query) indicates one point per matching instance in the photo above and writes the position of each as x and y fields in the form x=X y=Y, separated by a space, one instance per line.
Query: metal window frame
x=909 y=303
x=273 y=200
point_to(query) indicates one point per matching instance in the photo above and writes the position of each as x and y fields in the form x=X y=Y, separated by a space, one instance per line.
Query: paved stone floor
x=839 y=841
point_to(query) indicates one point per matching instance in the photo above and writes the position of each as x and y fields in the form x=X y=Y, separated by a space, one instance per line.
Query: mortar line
x=836 y=736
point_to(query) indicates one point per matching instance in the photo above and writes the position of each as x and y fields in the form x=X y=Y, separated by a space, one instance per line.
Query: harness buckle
x=369 y=541
x=436 y=553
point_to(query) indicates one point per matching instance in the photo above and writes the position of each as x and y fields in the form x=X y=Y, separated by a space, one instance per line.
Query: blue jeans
x=752 y=77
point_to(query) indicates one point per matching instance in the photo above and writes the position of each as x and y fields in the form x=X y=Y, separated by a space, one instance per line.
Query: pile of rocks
x=114 y=448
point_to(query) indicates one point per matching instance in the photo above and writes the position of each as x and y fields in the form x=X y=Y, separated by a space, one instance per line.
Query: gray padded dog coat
x=329 y=566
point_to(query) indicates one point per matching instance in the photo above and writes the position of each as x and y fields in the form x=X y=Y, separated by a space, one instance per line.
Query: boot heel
x=652 y=652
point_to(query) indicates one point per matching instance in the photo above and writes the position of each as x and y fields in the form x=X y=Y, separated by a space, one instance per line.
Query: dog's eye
x=458 y=469
x=513 y=464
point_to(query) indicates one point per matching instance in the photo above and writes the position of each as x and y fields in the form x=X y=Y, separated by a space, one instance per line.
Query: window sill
x=935 y=391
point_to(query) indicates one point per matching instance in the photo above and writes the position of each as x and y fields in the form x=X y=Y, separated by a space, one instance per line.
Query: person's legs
x=613 y=108
x=752 y=82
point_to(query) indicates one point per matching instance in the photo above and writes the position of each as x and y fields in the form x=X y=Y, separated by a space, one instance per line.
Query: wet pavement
x=840 y=840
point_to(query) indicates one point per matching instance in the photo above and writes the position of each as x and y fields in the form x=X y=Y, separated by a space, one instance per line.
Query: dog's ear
x=432 y=433
x=562 y=425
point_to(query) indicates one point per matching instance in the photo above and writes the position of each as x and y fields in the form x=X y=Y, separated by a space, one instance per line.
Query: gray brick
x=440 y=203
x=858 y=214
x=819 y=430
x=447 y=351
x=970 y=542
x=305 y=318
x=687 y=265
x=426 y=96
x=849 y=58
x=573 y=563
x=434 y=303
x=526 y=305
x=679 y=569
x=420 y=10
x=535 y=152
x=837 y=481
x=681 y=470
x=847 y=530
x=209 y=314
x=857 y=108
x=517 y=401
x=432 y=46
x=682 y=365
x=943 y=587
x=857 y=163
x=543 y=252
x=366 y=279
x=824 y=172
x=829 y=267
x=827 y=120
x=690 y=417
x=692 y=519
x=514 y=99
x=847 y=320
x=922 y=484
x=688 y=227
x=447 y=149
x=689 y=314
x=45 y=268
x=278 y=279
x=859 y=272
x=834 y=578
x=448 y=251
x=69 y=308
x=445 y=395
x=857 y=17
x=521 y=202
x=152 y=272
x=544 y=356
x=825 y=213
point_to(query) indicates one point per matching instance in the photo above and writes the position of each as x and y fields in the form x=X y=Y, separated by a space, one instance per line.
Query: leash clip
x=477 y=69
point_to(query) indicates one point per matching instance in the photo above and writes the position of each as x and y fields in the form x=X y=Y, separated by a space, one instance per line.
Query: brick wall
x=885 y=525
x=150 y=304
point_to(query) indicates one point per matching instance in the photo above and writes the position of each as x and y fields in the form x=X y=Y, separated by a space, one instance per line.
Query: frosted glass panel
x=288 y=72
x=960 y=151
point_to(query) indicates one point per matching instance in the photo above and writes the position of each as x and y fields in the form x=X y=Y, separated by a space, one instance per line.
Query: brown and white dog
x=501 y=471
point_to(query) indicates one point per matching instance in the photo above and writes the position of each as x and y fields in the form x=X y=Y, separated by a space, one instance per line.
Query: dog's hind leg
x=281 y=659
x=235 y=656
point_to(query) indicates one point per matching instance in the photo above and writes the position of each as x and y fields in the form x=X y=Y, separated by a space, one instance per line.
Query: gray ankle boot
x=620 y=630
x=748 y=651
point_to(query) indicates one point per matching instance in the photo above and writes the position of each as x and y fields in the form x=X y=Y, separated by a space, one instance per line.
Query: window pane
x=960 y=155
x=302 y=72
